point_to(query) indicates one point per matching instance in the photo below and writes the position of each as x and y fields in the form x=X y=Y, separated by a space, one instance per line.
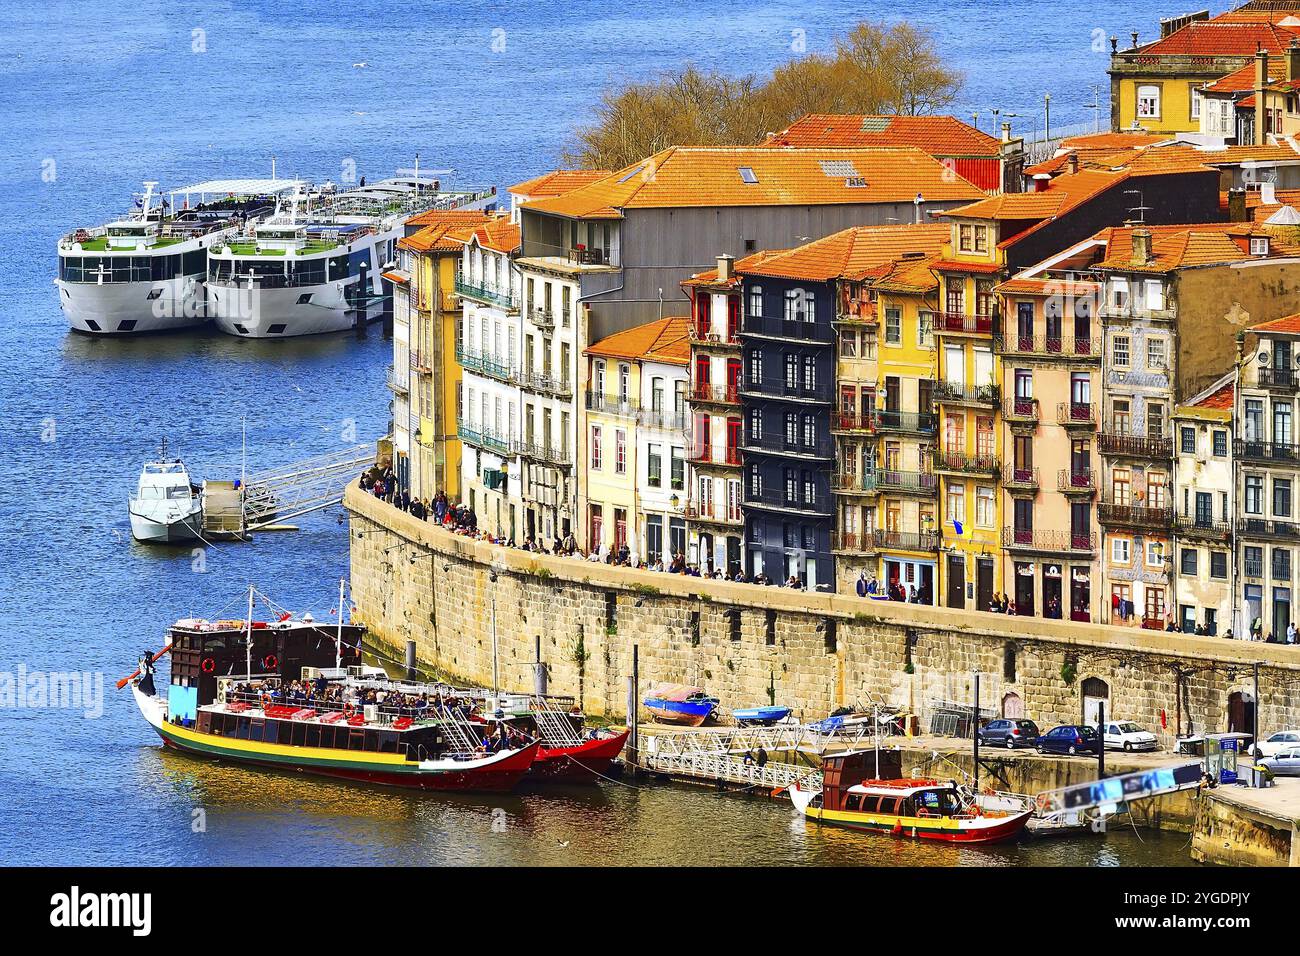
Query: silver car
x=1285 y=763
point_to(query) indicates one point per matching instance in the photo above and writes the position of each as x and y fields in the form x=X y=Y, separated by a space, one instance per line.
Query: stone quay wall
x=750 y=645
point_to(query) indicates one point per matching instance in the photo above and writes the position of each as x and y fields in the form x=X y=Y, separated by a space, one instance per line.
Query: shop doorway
x=984 y=585
x=1241 y=713
x=956 y=581
x=1095 y=692
x=1025 y=589
x=1052 y=590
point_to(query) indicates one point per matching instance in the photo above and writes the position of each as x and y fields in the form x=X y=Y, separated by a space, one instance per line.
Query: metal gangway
x=702 y=766
x=281 y=494
x=780 y=738
x=460 y=733
x=553 y=725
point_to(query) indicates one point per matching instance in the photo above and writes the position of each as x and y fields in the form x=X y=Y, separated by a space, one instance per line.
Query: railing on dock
x=723 y=767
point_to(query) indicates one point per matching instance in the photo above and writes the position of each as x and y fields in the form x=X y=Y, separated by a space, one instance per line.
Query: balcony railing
x=612 y=405
x=864 y=313
x=582 y=256
x=864 y=424
x=486 y=292
x=544 y=383
x=542 y=318
x=1266 y=451
x=421 y=362
x=485 y=439
x=538 y=451
x=777 y=445
x=889 y=420
x=1076 y=414
x=703 y=334
x=666 y=419
x=714 y=512
x=708 y=455
x=959 y=461
x=949 y=322
x=1053 y=542
x=1191 y=526
x=1131 y=515
x=1072 y=482
x=777 y=498
x=1050 y=346
x=778 y=326
x=855 y=542
x=1280 y=378
x=1114 y=442
x=715 y=394
x=1253 y=569
x=1020 y=479
x=1021 y=411
x=912 y=482
x=399 y=382
x=866 y=482
x=957 y=393
x=484 y=364
x=1268 y=528
x=908 y=540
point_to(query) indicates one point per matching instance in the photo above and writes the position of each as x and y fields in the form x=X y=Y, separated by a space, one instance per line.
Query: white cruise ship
x=146 y=271
x=299 y=271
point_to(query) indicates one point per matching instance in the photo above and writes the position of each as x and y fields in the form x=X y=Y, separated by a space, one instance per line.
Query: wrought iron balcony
x=910 y=482
x=714 y=513
x=1130 y=515
x=708 y=455
x=800 y=328
x=702 y=334
x=861 y=483
x=777 y=499
x=1020 y=411
x=1268 y=528
x=777 y=445
x=705 y=393
x=1076 y=414
x=484 y=438
x=488 y=293
x=925 y=541
x=854 y=423
x=582 y=256
x=854 y=542
x=1205 y=529
x=962 y=463
x=666 y=419
x=544 y=383
x=1072 y=482
x=1020 y=479
x=1283 y=379
x=956 y=393
x=1050 y=346
x=1113 y=442
x=1049 y=542
x=612 y=405
x=399 y=382
x=959 y=322
x=542 y=318
x=484 y=364
x=890 y=420
x=1266 y=451
x=537 y=451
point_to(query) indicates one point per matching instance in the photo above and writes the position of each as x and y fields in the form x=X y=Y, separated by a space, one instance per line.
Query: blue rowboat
x=680 y=704
x=760 y=716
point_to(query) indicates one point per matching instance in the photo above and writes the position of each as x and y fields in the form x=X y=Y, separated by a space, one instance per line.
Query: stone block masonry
x=751 y=645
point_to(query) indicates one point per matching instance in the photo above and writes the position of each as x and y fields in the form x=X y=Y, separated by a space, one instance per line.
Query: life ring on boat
x=207 y=665
x=270 y=662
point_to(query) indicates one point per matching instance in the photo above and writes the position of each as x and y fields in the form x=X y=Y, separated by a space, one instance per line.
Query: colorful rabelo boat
x=210 y=711
x=570 y=752
x=680 y=704
x=912 y=808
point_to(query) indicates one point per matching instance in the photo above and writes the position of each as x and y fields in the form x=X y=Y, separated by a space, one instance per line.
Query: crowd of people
x=875 y=589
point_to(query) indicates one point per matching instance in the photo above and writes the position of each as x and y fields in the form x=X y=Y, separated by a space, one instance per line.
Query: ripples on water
x=119 y=97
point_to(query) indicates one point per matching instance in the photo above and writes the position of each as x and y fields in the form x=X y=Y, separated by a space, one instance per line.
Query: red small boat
x=583 y=763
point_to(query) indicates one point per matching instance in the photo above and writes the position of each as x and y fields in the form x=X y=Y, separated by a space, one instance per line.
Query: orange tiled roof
x=1046 y=287
x=1220 y=399
x=1289 y=324
x=709 y=277
x=1112 y=141
x=1061 y=195
x=443 y=236
x=936 y=135
x=1219 y=38
x=1176 y=247
x=687 y=176
x=663 y=340
x=433 y=217
x=498 y=234
x=558 y=182
x=1243 y=80
x=1271 y=11
x=851 y=253
x=1184 y=157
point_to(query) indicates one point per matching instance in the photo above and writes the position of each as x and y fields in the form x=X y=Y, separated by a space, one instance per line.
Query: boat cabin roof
x=176 y=467
x=897 y=788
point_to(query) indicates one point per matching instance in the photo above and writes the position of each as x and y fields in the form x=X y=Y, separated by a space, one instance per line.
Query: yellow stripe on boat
x=331 y=754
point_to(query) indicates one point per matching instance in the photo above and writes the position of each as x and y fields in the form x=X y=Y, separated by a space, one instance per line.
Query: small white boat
x=166 y=508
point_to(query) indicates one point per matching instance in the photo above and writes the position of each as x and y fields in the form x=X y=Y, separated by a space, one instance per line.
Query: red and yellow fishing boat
x=921 y=809
x=570 y=752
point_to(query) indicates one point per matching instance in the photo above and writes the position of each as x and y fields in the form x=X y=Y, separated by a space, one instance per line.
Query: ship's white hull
x=170 y=529
x=125 y=308
x=253 y=313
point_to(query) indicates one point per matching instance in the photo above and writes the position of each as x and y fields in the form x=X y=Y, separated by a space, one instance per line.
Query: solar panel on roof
x=839 y=168
x=631 y=174
x=747 y=175
x=875 y=124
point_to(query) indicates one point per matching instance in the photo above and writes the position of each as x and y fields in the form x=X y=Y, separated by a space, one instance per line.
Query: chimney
x=724 y=268
x=1039 y=183
x=1261 y=81
x=1293 y=60
x=1237 y=205
x=1267 y=193
x=1006 y=132
x=1074 y=162
x=1141 y=247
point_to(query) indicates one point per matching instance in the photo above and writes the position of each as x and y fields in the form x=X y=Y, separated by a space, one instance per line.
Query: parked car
x=1126 y=735
x=1070 y=739
x=1284 y=763
x=1282 y=740
x=1009 y=733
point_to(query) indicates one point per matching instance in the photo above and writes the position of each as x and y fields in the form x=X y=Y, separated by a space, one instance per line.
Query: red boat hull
x=585 y=763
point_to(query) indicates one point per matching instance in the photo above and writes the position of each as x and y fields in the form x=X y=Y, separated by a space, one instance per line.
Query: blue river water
x=94 y=99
